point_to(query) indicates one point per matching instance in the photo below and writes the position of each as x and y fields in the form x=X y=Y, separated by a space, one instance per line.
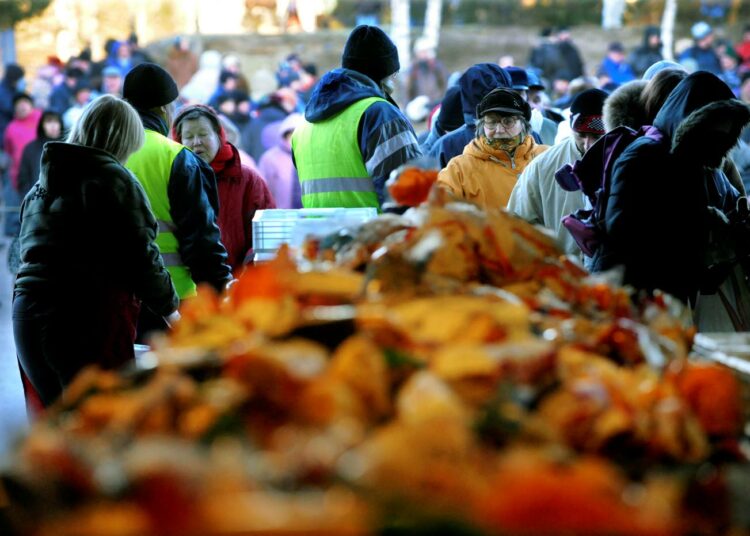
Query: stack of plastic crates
x=274 y=227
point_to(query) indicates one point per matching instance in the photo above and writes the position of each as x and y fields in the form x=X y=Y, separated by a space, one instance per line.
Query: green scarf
x=509 y=145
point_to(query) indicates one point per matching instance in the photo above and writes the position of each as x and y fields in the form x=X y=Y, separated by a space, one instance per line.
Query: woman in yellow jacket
x=490 y=165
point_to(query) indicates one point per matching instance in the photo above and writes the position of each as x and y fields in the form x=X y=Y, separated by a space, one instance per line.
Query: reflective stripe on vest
x=329 y=161
x=326 y=186
x=152 y=166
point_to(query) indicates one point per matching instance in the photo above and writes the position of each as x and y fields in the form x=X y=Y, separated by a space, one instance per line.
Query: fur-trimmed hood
x=624 y=106
x=732 y=115
x=702 y=117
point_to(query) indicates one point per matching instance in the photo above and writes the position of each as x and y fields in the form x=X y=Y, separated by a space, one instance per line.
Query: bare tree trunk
x=736 y=4
x=612 y=13
x=400 y=29
x=7 y=45
x=432 y=21
x=667 y=29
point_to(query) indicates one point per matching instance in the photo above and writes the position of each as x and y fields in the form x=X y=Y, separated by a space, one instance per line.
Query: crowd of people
x=136 y=182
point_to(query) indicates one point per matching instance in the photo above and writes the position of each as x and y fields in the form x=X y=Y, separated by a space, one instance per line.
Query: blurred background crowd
x=261 y=94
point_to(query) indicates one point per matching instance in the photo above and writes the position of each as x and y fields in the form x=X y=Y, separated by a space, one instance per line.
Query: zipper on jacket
x=502 y=163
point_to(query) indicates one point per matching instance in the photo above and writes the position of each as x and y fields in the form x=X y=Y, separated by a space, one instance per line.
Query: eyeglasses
x=506 y=122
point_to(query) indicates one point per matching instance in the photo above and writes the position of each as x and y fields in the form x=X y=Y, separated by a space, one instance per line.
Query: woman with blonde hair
x=88 y=257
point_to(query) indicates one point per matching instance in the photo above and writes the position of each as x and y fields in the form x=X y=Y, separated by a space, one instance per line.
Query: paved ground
x=12 y=409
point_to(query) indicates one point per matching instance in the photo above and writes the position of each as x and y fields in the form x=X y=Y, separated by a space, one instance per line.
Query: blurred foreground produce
x=441 y=372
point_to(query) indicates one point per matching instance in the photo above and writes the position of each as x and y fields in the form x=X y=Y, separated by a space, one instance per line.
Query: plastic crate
x=273 y=227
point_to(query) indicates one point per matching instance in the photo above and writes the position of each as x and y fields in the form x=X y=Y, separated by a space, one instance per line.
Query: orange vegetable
x=265 y=280
x=412 y=186
x=533 y=496
x=713 y=393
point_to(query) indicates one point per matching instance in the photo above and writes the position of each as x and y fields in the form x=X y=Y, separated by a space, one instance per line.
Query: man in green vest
x=354 y=134
x=180 y=186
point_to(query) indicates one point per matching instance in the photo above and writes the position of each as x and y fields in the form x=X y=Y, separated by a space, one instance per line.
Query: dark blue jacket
x=386 y=137
x=657 y=218
x=705 y=58
x=475 y=83
x=61 y=98
x=6 y=106
x=256 y=137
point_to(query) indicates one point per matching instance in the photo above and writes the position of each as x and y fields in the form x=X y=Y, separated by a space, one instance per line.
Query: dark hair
x=74 y=72
x=227 y=75
x=22 y=96
x=46 y=116
x=658 y=89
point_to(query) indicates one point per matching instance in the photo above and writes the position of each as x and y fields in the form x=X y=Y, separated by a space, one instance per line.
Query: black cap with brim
x=504 y=101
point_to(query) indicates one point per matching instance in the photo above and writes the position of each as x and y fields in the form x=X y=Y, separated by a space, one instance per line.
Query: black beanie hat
x=586 y=111
x=371 y=52
x=504 y=101
x=149 y=86
x=588 y=102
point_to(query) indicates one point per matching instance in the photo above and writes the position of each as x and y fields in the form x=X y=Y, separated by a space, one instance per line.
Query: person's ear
x=167 y=113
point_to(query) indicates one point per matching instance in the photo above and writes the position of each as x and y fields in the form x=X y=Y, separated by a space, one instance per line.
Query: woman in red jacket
x=241 y=190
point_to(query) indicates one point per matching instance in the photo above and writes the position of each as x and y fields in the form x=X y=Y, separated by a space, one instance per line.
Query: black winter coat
x=87 y=228
x=657 y=217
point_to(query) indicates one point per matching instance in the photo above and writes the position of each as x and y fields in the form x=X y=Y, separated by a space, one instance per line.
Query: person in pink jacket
x=19 y=133
x=21 y=130
x=277 y=167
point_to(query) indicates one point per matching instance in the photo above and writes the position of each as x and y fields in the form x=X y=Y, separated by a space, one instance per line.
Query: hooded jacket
x=657 y=218
x=475 y=83
x=625 y=107
x=486 y=176
x=89 y=258
x=32 y=155
x=385 y=137
x=449 y=118
x=242 y=192
x=90 y=229
x=646 y=55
